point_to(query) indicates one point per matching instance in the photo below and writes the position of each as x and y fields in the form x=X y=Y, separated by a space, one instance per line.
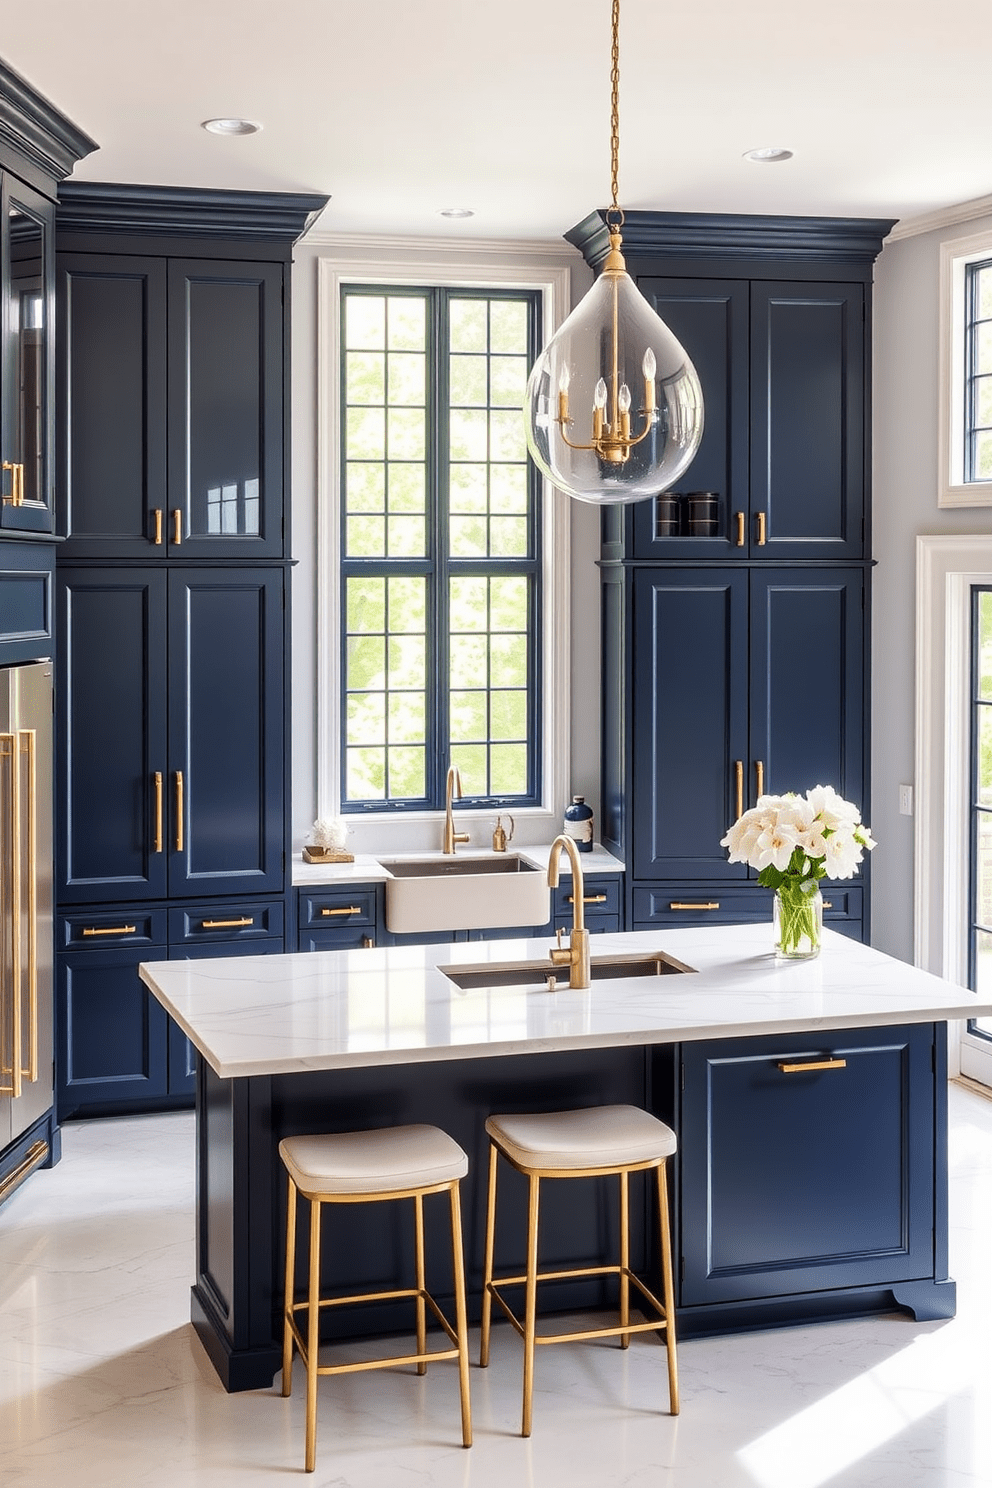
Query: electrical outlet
x=905 y=800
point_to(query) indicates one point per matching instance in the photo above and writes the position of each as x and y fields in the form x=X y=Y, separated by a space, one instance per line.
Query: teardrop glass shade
x=578 y=357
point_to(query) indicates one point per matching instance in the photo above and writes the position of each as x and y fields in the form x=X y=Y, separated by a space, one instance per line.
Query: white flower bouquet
x=794 y=841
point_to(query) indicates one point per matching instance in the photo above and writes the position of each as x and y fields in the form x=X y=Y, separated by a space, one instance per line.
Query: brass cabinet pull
x=368 y=943
x=33 y=1158
x=10 y=1059
x=16 y=497
x=28 y=743
x=177 y=526
x=158 y=515
x=762 y=532
x=588 y=899
x=710 y=904
x=739 y=786
x=228 y=924
x=19 y=471
x=179 y=811
x=348 y=909
x=110 y=930
x=759 y=775
x=157 y=844
x=811 y=1064
x=828 y=904
x=740 y=529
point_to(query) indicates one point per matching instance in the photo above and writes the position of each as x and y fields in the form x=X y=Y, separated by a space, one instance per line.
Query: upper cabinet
x=773 y=314
x=174 y=388
x=38 y=148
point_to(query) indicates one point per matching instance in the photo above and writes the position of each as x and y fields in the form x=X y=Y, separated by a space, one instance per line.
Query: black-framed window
x=441 y=547
x=978 y=371
x=980 y=836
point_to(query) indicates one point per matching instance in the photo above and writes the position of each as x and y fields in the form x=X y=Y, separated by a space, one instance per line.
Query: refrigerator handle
x=11 y=1075
x=28 y=741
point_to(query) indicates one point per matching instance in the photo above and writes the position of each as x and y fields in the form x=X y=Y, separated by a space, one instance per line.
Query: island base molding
x=926 y=1301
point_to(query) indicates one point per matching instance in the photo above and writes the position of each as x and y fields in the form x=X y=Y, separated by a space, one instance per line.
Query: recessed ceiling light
x=457 y=212
x=231 y=126
x=768 y=155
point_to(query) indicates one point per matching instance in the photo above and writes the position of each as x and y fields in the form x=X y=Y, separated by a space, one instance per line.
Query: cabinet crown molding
x=34 y=135
x=718 y=234
x=186 y=211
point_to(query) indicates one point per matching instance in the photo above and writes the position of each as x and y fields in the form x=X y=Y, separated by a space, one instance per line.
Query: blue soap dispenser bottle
x=578 y=823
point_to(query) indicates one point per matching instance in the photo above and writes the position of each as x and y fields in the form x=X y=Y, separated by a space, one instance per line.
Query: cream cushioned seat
x=598 y=1137
x=382 y=1161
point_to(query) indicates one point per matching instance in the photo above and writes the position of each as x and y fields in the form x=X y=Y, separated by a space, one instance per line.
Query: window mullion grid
x=978 y=811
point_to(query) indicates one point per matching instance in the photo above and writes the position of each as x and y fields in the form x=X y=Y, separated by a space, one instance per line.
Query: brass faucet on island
x=576 y=955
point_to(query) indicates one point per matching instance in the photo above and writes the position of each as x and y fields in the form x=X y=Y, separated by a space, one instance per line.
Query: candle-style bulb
x=599 y=395
x=564 y=378
x=623 y=398
x=649 y=366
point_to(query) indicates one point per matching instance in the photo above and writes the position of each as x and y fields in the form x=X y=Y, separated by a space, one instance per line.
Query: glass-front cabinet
x=27 y=365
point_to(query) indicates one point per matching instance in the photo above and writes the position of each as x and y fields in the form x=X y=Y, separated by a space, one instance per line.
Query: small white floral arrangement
x=794 y=841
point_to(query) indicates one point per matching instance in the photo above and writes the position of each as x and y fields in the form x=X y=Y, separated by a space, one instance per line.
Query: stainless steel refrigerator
x=26 y=942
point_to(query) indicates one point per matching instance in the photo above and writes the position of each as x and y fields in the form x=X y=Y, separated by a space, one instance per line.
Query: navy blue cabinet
x=829 y=1183
x=171 y=726
x=172 y=383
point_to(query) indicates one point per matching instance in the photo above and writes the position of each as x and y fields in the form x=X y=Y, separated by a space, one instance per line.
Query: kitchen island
x=809 y=1098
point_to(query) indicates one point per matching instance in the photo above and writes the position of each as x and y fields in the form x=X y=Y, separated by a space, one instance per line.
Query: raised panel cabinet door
x=805 y=1179
x=27 y=373
x=226 y=409
x=111 y=398
x=111 y=735
x=226 y=732
x=807 y=420
x=710 y=318
x=689 y=719
x=112 y=1034
x=808 y=705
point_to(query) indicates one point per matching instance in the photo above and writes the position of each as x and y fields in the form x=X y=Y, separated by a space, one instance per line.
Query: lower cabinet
x=807 y=1166
x=671 y=905
x=116 y=1048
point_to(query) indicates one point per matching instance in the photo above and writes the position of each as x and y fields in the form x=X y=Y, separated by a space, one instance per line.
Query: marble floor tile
x=103 y=1384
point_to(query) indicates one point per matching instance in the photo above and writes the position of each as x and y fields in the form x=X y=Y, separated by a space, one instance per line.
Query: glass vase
x=797 y=918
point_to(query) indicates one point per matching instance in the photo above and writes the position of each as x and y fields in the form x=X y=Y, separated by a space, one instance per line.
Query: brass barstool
x=595 y=1142
x=369 y=1167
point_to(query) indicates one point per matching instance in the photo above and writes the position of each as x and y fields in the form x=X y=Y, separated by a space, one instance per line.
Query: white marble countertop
x=258 y=1015
x=369 y=869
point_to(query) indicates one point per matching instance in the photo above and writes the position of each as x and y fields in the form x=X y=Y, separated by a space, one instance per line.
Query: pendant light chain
x=615 y=212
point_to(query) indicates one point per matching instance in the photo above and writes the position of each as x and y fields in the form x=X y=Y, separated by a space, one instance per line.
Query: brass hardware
x=16 y=497
x=28 y=739
x=759 y=775
x=368 y=943
x=177 y=527
x=179 y=811
x=828 y=904
x=228 y=924
x=762 y=534
x=739 y=786
x=10 y=1072
x=710 y=904
x=452 y=789
x=158 y=514
x=157 y=843
x=347 y=909
x=576 y=956
x=741 y=532
x=811 y=1064
x=587 y=899
x=500 y=835
x=33 y=1158
x=110 y=930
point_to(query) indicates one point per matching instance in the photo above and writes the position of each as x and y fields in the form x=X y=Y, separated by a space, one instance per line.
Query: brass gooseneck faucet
x=452 y=788
x=576 y=956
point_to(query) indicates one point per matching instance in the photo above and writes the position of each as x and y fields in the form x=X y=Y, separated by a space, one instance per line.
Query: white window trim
x=952 y=489
x=554 y=284
x=946 y=569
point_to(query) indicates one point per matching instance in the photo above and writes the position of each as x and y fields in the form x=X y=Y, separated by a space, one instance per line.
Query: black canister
x=667 y=514
x=702 y=513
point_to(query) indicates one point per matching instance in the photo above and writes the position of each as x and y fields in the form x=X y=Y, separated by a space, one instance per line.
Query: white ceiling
x=397 y=108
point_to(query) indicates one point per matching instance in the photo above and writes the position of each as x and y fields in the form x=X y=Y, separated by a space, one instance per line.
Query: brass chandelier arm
x=620 y=442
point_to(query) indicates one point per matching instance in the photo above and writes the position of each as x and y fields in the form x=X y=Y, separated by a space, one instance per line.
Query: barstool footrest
x=407 y=1292
x=620 y=1330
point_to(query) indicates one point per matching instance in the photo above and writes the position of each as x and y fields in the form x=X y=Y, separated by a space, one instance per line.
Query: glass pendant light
x=614 y=410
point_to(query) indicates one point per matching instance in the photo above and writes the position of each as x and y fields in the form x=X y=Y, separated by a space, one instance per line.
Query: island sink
x=448 y=892
x=544 y=977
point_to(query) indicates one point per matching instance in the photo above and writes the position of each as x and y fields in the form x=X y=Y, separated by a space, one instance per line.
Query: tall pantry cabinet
x=172 y=611
x=736 y=629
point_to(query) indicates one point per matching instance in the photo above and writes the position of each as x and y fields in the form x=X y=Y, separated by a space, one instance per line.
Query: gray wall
x=906 y=403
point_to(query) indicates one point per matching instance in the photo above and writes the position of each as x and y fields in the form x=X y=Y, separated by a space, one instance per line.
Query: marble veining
x=328 y=1009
